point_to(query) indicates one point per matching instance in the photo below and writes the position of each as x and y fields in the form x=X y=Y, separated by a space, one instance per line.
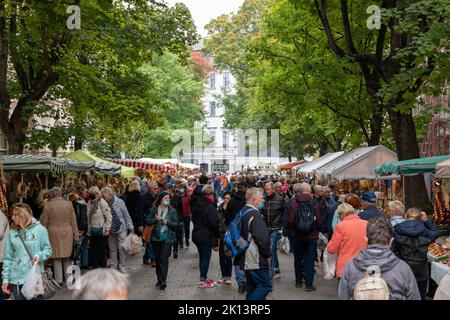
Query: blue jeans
x=16 y=291
x=226 y=263
x=149 y=254
x=259 y=284
x=240 y=275
x=275 y=236
x=204 y=252
x=304 y=256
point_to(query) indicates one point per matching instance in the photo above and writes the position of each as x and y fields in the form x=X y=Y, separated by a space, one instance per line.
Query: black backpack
x=305 y=217
x=413 y=250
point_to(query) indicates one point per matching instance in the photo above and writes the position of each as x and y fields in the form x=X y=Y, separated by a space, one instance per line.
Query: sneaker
x=277 y=276
x=299 y=285
x=147 y=262
x=163 y=286
x=203 y=284
x=310 y=289
x=211 y=282
x=122 y=270
x=225 y=282
x=158 y=284
x=153 y=264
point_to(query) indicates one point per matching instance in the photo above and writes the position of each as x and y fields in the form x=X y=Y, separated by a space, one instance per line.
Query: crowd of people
x=264 y=209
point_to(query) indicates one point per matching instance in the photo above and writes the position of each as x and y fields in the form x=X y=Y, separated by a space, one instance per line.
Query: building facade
x=230 y=150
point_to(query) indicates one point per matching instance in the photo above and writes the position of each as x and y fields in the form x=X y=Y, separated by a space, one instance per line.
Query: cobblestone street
x=184 y=274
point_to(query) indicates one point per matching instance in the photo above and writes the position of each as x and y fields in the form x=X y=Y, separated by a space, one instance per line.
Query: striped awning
x=144 y=165
x=29 y=163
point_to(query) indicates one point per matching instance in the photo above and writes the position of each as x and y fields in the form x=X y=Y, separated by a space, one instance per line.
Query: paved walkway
x=184 y=274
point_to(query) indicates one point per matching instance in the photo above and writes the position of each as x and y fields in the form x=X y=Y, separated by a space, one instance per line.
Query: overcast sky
x=204 y=10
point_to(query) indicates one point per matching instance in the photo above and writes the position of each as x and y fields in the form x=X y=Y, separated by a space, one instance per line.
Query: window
x=212 y=81
x=212 y=109
x=225 y=138
x=226 y=79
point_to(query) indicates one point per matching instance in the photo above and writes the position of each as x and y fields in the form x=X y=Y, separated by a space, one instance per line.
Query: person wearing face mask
x=226 y=263
x=255 y=260
x=206 y=228
x=165 y=220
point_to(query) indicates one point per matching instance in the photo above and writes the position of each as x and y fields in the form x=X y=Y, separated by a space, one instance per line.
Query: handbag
x=49 y=283
x=147 y=233
x=76 y=251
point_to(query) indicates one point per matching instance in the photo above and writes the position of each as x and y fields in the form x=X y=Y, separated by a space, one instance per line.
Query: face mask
x=166 y=202
x=261 y=205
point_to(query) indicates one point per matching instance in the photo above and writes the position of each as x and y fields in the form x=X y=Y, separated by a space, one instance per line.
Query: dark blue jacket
x=412 y=238
x=371 y=212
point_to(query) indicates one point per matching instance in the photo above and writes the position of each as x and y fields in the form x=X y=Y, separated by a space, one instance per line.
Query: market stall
x=291 y=165
x=145 y=169
x=439 y=189
x=308 y=170
x=101 y=165
x=354 y=172
x=27 y=178
x=438 y=256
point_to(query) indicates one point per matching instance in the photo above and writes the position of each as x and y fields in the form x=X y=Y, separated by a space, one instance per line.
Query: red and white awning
x=144 y=165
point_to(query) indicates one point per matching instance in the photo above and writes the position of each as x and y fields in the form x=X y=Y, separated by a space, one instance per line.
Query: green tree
x=38 y=52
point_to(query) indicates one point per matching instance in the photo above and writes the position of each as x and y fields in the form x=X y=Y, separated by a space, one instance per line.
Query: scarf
x=163 y=215
x=116 y=224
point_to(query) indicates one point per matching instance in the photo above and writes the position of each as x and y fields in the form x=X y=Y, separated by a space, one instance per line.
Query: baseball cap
x=369 y=196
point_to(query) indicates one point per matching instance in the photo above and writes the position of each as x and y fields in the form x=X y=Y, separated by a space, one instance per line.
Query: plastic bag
x=33 y=285
x=329 y=265
x=284 y=245
x=132 y=244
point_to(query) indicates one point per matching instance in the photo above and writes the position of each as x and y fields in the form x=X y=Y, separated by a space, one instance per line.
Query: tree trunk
x=290 y=157
x=78 y=143
x=16 y=142
x=323 y=147
x=404 y=132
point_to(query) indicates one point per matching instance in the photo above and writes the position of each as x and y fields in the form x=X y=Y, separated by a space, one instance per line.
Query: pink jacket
x=347 y=241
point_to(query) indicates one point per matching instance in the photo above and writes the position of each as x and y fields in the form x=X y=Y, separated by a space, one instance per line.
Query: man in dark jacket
x=206 y=229
x=235 y=205
x=272 y=213
x=397 y=274
x=146 y=203
x=368 y=206
x=255 y=260
x=304 y=245
x=412 y=238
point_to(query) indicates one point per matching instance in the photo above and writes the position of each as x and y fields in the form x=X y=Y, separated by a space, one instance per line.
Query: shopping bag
x=33 y=285
x=329 y=265
x=132 y=244
x=284 y=245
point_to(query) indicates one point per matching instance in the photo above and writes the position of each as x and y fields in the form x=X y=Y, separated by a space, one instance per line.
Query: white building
x=225 y=153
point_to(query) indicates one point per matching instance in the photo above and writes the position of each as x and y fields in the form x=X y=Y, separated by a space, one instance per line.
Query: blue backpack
x=234 y=244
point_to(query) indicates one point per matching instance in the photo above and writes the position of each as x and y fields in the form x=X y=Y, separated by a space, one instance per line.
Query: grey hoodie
x=397 y=274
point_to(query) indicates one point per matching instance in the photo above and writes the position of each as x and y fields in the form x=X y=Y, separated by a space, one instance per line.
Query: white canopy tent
x=359 y=164
x=316 y=164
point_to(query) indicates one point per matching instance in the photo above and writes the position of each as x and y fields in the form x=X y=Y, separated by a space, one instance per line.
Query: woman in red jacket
x=186 y=199
x=349 y=237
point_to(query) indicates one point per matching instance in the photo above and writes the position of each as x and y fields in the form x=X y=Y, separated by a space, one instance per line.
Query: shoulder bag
x=50 y=284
